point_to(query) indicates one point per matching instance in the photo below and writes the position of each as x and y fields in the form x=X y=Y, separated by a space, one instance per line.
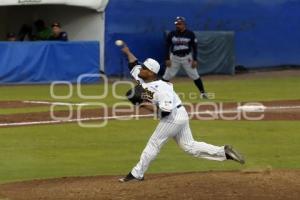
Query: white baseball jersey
x=163 y=93
x=175 y=125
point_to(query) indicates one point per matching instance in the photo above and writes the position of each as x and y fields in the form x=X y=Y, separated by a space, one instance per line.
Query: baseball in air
x=119 y=43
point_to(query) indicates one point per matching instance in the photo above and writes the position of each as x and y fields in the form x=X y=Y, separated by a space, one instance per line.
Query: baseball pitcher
x=174 y=120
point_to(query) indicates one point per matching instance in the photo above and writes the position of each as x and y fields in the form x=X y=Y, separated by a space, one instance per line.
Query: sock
x=199 y=84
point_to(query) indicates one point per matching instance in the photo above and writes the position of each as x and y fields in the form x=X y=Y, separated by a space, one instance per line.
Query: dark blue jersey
x=63 y=36
x=181 y=43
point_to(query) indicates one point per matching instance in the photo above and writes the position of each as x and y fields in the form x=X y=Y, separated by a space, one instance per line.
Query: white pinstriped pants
x=177 y=126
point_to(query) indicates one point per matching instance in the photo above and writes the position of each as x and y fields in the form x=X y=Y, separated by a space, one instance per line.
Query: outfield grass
x=68 y=150
x=42 y=93
x=256 y=89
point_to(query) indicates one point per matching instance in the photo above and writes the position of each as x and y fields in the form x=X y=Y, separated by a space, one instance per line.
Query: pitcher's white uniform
x=175 y=125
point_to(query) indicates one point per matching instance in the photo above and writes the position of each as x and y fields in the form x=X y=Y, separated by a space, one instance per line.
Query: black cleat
x=232 y=154
x=203 y=96
x=130 y=177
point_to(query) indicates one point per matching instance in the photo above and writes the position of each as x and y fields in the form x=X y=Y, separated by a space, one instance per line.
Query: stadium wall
x=266 y=31
x=45 y=62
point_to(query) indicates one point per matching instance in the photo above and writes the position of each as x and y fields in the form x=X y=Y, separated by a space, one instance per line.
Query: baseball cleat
x=130 y=177
x=203 y=96
x=232 y=154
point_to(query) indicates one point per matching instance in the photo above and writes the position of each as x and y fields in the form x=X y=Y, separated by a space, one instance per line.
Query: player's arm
x=168 y=47
x=132 y=60
x=133 y=64
x=194 y=46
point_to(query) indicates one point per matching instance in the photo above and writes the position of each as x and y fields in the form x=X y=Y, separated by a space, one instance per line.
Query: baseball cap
x=179 y=19
x=55 y=24
x=152 y=65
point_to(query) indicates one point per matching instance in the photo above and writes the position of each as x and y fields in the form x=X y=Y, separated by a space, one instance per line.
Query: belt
x=178 y=106
x=181 y=54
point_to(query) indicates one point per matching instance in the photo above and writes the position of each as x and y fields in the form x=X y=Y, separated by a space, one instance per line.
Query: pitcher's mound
x=250 y=184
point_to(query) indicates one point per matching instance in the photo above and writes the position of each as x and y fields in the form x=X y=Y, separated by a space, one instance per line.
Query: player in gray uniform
x=174 y=120
x=181 y=51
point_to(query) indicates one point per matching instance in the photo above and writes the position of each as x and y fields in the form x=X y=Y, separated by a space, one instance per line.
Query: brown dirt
x=18 y=104
x=258 y=185
x=283 y=114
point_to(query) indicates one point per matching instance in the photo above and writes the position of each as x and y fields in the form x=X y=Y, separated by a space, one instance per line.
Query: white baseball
x=119 y=42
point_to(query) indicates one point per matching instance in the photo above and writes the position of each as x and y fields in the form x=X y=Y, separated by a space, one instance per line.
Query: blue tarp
x=44 y=62
x=266 y=31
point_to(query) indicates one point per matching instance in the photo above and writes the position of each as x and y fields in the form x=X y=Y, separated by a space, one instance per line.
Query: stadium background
x=265 y=32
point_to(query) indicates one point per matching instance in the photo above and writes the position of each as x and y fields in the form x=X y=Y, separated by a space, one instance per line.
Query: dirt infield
x=258 y=185
x=274 y=110
x=17 y=104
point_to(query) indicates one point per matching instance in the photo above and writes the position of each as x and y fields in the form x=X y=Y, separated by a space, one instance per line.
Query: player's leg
x=173 y=69
x=193 y=74
x=199 y=84
x=198 y=149
x=162 y=133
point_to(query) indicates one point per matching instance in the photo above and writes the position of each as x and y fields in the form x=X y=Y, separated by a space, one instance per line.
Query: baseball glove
x=135 y=95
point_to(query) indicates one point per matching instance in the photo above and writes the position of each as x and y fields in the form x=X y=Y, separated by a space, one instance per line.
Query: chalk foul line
x=239 y=109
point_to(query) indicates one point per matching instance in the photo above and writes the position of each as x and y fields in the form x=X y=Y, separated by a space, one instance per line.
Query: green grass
x=256 y=89
x=68 y=150
x=225 y=90
x=42 y=93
